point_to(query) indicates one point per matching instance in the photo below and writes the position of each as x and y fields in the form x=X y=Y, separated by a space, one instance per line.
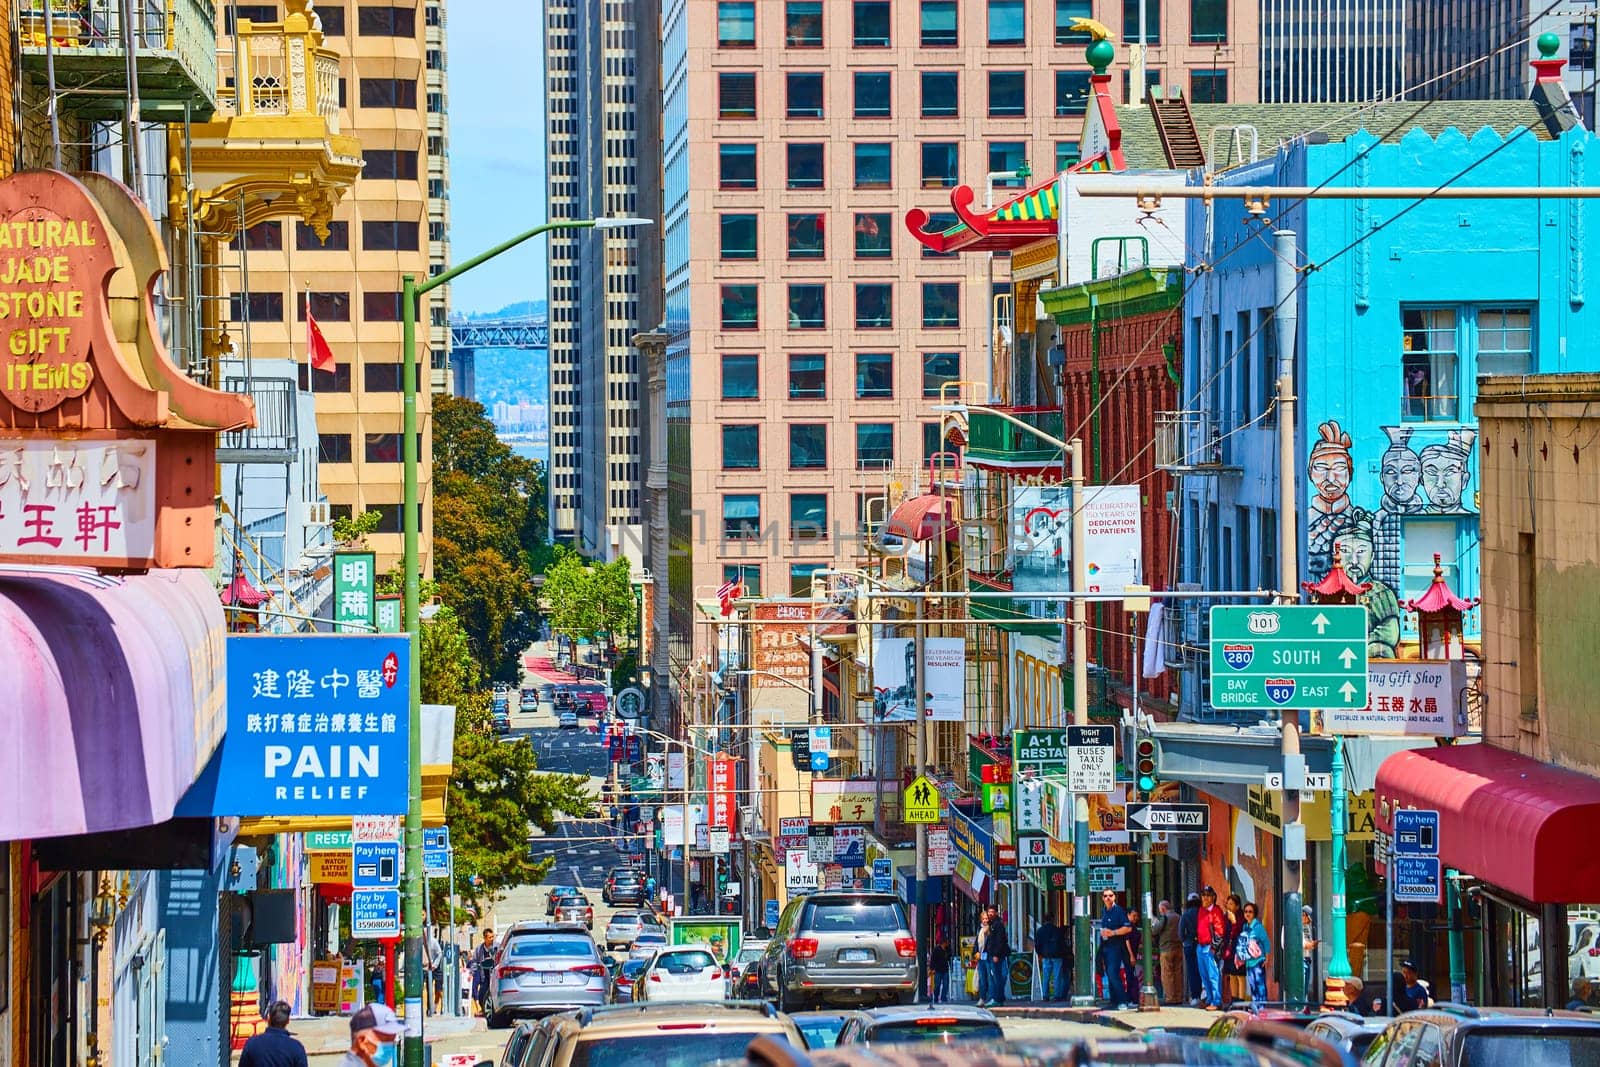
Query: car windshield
x=625 y=918
x=633 y=968
x=535 y=947
x=748 y=954
x=1544 y=1047
x=690 y=962
x=684 y=1045
x=914 y=1031
x=852 y=918
x=820 y=1033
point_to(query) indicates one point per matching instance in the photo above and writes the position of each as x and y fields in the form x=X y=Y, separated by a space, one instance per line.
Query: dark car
x=820 y=1028
x=622 y=982
x=1346 y=1030
x=743 y=973
x=623 y=886
x=919 y=1024
x=1455 y=1035
x=552 y=899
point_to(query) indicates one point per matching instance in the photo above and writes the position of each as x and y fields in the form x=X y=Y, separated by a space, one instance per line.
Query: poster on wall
x=1041 y=539
x=894 y=679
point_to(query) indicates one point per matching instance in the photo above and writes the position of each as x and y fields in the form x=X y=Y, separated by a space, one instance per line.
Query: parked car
x=650 y=940
x=622 y=982
x=553 y=897
x=623 y=927
x=1230 y=1022
x=744 y=977
x=659 y=1035
x=820 y=1028
x=1455 y=1035
x=502 y=721
x=684 y=973
x=545 y=970
x=841 y=946
x=1347 y=1031
x=917 y=1024
x=576 y=910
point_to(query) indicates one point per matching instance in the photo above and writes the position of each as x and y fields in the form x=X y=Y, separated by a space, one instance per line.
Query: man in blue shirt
x=1114 y=932
x=274 y=1046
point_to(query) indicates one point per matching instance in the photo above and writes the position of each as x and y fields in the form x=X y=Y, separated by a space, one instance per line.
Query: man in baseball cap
x=374 y=1037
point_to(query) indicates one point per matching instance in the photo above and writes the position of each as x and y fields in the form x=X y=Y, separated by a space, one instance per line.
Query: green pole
x=411 y=291
x=1339 y=956
x=1458 y=948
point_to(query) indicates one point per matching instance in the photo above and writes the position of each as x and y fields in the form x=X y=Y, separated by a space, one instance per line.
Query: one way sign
x=1168 y=818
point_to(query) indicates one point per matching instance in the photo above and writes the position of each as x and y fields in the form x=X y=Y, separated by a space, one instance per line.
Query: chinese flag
x=317 y=345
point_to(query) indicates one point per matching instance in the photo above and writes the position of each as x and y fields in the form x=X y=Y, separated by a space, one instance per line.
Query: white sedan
x=683 y=973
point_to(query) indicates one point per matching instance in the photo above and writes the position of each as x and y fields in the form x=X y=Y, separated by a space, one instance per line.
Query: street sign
x=1315 y=783
x=769 y=913
x=1091 y=759
x=717 y=839
x=436 y=837
x=920 y=804
x=940 y=861
x=1169 y=818
x=1298 y=656
x=800 y=873
x=1103 y=878
x=1005 y=863
x=1034 y=852
x=327 y=840
x=820 y=845
x=1416 y=878
x=375 y=913
x=882 y=876
x=330 y=868
x=376 y=864
x=821 y=747
x=374 y=828
x=1416 y=833
x=436 y=861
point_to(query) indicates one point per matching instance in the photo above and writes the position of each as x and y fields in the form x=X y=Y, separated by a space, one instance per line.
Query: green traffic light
x=1146 y=783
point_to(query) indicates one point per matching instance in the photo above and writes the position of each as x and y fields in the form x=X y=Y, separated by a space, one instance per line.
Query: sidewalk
x=329 y=1035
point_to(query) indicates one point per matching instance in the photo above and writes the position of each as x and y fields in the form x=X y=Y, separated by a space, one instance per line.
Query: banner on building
x=677 y=770
x=939 y=860
x=355 y=592
x=780 y=661
x=720 y=774
x=801 y=874
x=316 y=726
x=894 y=679
x=1416 y=697
x=835 y=800
x=388 y=616
x=1041 y=539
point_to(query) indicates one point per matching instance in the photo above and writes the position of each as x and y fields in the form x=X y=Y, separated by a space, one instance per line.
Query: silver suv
x=854 y=947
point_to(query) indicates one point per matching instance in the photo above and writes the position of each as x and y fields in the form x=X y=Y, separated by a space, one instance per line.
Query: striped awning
x=1038 y=204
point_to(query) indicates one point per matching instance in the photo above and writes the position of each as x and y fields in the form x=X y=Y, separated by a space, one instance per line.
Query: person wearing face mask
x=374 y=1037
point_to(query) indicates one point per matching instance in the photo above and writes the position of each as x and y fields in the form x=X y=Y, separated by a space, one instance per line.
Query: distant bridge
x=469 y=336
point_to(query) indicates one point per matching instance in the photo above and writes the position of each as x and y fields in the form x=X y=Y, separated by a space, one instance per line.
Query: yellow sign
x=330 y=868
x=920 y=804
x=1262 y=807
x=325 y=985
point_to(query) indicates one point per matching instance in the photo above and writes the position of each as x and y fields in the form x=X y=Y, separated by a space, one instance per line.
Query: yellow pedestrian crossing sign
x=920 y=804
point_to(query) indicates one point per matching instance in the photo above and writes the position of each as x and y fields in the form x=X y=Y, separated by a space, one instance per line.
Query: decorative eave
x=1336 y=586
x=1071 y=304
x=1439 y=597
x=240 y=593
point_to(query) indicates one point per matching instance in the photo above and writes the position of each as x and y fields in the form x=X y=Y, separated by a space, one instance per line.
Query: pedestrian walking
x=1210 y=941
x=980 y=954
x=1047 y=949
x=433 y=967
x=1114 y=930
x=1253 y=947
x=374 y=1035
x=482 y=963
x=1169 y=951
x=1132 y=963
x=939 y=966
x=1189 y=934
x=997 y=949
x=275 y=1046
x=1414 y=992
x=1233 y=985
x=1308 y=953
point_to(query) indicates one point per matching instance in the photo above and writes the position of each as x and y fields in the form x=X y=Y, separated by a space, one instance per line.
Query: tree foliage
x=582 y=600
x=353 y=530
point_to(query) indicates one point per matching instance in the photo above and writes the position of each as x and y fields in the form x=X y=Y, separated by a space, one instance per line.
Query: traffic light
x=1145 y=763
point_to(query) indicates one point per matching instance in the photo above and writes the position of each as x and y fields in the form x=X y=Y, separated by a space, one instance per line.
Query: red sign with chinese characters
x=720 y=772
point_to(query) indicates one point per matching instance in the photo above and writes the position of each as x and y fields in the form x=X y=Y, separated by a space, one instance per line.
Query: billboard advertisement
x=894 y=679
x=1041 y=539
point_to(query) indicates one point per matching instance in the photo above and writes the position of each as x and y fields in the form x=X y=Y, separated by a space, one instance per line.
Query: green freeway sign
x=1302 y=657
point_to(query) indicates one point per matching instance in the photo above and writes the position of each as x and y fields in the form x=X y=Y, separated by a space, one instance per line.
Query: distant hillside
x=520 y=309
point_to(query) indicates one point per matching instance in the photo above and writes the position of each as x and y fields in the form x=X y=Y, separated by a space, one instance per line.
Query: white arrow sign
x=1348 y=658
x=1321 y=623
x=1181 y=818
x=1348 y=691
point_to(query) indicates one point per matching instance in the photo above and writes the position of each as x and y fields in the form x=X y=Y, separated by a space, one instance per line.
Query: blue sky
x=497 y=185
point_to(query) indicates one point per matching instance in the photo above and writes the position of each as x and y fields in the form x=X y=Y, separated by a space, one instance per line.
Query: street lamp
x=411 y=292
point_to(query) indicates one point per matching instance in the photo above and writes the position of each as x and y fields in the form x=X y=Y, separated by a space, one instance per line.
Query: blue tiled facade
x=1393 y=332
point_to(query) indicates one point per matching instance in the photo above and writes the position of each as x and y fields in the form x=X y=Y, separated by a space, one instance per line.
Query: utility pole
x=1083 y=938
x=920 y=681
x=1287 y=316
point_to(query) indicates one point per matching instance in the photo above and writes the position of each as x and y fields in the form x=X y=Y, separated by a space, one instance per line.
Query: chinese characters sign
x=387 y=615
x=354 y=591
x=316 y=726
x=834 y=800
x=1407 y=697
x=720 y=773
x=78 y=501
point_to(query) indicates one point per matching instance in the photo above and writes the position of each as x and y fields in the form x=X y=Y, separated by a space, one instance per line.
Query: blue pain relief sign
x=316 y=726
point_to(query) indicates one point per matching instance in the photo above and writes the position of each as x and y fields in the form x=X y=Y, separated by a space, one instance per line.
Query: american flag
x=728 y=592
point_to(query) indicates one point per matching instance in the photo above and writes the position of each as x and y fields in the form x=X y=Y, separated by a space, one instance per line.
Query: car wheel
x=786 y=1003
x=906 y=996
x=498 y=1020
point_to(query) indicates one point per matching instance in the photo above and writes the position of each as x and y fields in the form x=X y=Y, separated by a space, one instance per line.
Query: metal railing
x=278 y=68
x=274 y=437
x=991 y=437
x=185 y=29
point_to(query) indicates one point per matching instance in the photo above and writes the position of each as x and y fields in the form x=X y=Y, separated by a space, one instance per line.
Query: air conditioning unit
x=318 y=513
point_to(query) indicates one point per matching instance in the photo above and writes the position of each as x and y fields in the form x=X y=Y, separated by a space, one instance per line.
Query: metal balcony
x=1189 y=442
x=994 y=442
x=174 y=49
x=274 y=438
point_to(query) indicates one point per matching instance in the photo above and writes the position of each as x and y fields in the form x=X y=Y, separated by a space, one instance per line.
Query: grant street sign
x=1301 y=657
x=1168 y=818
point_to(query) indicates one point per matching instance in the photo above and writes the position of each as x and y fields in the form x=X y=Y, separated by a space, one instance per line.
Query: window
x=873 y=230
x=805 y=163
x=802 y=24
x=740 y=310
x=941 y=94
x=872 y=165
x=939 y=24
x=380 y=307
x=386 y=21
x=388 y=92
x=736 y=95
x=326 y=306
x=1208 y=86
x=1152 y=79
x=1152 y=21
x=262 y=237
x=385 y=377
x=386 y=447
x=1208 y=21
x=1580 y=45
x=389 y=517
x=870 y=23
x=1066 y=11
x=386 y=235
x=808 y=516
x=808 y=307
x=306 y=239
x=941 y=164
x=255 y=307
x=389 y=164
x=941 y=304
x=333 y=447
x=741 y=447
x=747 y=573
x=1007 y=156
x=874 y=445
x=740 y=377
x=1505 y=341
x=808 y=376
x=802 y=575
x=932 y=446
x=738 y=236
x=334 y=381
x=803 y=95
x=808 y=446
x=1067 y=155
x=736 y=166
x=938 y=222
x=1424 y=538
x=1430 y=379
x=873 y=94
x=253 y=12
x=1008 y=24
x=741 y=517
x=736 y=24
x=874 y=375
x=874 y=306
x=806 y=236
x=938 y=368
x=1008 y=93
x=1072 y=92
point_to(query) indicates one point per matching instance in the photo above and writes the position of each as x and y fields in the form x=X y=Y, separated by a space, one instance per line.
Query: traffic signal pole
x=1082 y=922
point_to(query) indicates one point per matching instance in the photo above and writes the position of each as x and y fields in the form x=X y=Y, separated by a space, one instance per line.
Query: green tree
x=584 y=600
x=353 y=530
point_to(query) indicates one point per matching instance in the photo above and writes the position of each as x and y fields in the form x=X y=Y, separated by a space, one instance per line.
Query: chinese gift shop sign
x=316 y=726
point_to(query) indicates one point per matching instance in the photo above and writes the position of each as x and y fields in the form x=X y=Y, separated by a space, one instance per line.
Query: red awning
x=1503 y=817
x=920 y=518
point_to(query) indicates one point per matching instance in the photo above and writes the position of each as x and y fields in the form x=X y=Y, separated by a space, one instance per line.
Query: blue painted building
x=1401 y=307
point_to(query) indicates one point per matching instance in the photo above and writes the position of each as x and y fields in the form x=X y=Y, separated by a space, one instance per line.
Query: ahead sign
x=1169 y=818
